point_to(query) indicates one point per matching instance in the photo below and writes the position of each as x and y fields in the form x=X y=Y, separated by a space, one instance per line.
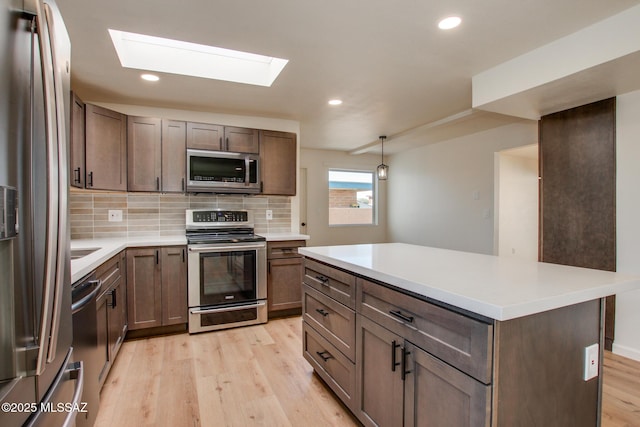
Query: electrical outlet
x=591 y=361
x=269 y=214
x=115 y=215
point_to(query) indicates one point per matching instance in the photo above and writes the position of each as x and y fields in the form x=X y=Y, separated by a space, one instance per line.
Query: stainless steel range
x=227 y=270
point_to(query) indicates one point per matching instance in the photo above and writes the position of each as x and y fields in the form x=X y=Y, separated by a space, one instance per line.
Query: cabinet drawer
x=339 y=285
x=110 y=271
x=284 y=249
x=458 y=340
x=336 y=322
x=330 y=364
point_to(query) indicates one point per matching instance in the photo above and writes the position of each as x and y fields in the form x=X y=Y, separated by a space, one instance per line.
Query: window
x=351 y=198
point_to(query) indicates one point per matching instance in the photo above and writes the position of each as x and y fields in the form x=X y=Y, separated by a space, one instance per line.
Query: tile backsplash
x=145 y=214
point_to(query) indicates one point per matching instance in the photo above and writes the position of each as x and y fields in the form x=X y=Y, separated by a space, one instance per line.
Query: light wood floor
x=256 y=376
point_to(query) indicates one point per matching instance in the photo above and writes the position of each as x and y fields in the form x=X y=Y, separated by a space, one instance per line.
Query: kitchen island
x=405 y=334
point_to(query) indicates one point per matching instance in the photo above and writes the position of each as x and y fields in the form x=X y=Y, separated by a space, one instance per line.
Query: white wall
x=517 y=203
x=627 y=334
x=442 y=194
x=318 y=163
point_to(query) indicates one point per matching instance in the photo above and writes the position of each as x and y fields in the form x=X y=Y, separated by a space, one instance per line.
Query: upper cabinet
x=156 y=154
x=278 y=163
x=105 y=149
x=174 y=155
x=145 y=153
x=76 y=162
x=204 y=136
x=241 y=140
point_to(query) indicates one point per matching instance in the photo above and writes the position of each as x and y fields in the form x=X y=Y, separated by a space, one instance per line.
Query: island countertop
x=501 y=288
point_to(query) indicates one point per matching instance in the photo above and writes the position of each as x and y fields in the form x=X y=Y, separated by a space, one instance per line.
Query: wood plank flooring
x=256 y=376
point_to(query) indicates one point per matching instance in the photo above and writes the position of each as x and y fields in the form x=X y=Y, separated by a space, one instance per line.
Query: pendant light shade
x=383 y=170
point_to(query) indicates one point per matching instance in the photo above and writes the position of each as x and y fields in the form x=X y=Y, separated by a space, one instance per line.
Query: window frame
x=374 y=191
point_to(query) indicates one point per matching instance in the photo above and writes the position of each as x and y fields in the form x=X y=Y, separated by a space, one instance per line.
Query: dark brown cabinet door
x=174 y=140
x=116 y=300
x=105 y=149
x=144 y=293
x=76 y=162
x=144 y=147
x=284 y=284
x=378 y=364
x=174 y=285
x=204 y=136
x=278 y=163
x=241 y=140
x=102 y=325
x=437 y=394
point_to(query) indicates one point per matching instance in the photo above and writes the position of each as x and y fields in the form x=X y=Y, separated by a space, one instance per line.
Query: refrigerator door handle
x=46 y=338
x=78 y=373
x=62 y=178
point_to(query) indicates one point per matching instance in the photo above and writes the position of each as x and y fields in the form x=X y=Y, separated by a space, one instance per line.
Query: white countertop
x=279 y=237
x=110 y=247
x=500 y=288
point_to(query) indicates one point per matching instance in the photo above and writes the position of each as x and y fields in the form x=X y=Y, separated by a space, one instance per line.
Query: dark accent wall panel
x=578 y=186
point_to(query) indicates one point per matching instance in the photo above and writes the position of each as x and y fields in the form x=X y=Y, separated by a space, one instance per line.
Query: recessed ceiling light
x=190 y=59
x=449 y=23
x=335 y=102
x=150 y=77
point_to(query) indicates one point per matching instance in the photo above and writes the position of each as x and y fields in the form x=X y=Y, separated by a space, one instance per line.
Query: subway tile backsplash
x=145 y=214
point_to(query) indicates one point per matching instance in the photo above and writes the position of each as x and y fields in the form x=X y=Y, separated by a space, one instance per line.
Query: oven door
x=222 y=274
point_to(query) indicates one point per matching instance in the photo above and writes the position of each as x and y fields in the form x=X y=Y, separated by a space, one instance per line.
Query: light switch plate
x=591 y=361
x=269 y=214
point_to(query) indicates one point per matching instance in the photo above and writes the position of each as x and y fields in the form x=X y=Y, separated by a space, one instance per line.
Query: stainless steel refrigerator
x=39 y=382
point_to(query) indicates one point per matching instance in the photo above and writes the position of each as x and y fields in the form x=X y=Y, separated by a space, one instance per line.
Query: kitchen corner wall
x=146 y=214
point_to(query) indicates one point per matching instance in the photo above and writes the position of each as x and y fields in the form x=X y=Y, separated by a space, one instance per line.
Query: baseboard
x=631 y=353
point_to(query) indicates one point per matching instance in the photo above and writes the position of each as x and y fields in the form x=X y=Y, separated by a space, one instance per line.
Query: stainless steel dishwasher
x=85 y=343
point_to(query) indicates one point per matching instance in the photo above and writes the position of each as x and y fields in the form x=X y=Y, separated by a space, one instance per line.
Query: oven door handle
x=224 y=248
x=223 y=309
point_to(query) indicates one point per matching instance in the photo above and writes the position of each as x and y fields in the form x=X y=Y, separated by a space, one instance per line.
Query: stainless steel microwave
x=222 y=172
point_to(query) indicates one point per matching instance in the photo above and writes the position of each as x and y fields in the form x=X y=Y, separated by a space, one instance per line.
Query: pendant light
x=383 y=170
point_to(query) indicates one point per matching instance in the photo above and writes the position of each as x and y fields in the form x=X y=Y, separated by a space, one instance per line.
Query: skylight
x=158 y=54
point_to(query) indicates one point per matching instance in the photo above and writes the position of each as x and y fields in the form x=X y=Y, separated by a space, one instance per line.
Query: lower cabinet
x=111 y=311
x=395 y=360
x=157 y=286
x=284 y=277
x=401 y=384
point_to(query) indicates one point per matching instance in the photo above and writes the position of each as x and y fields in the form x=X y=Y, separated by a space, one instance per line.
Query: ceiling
x=397 y=73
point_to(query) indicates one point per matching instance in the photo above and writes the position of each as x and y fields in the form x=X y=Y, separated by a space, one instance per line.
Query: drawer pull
x=324 y=280
x=324 y=355
x=394 y=346
x=321 y=311
x=399 y=315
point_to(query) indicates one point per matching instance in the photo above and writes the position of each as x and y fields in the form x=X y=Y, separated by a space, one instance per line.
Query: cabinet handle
x=114 y=301
x=226 y=145
x=76 y=175
x=183 y=257
x=158 y=183
x=221 y=146
x=399 y=315
x=394 y=363
x=321 y=311
x=324 y=280
x=405 y=353
x=183 y=189
x=91 y=179
x=324 y=355
x=157 y=257
x=269 y=267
